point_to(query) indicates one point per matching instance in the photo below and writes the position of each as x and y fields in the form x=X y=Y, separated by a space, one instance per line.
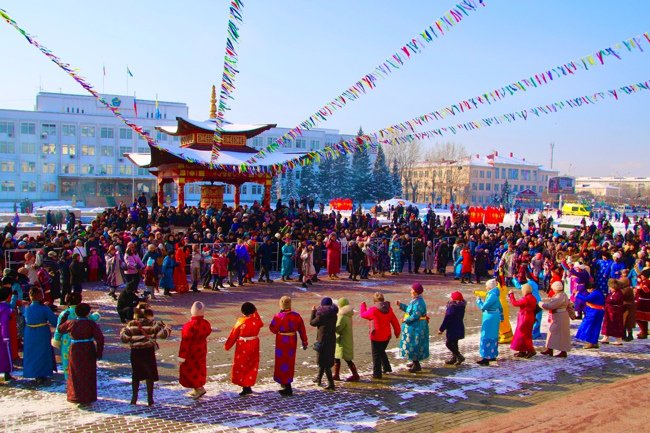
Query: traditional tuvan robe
x=180 y=276
x=68 y=314
x=589 y=329
x=523 y=338
x=247 y=351
x=38 y=359
x=492 y=312
x=194 y=350
x=86 y=347
x=286 y=325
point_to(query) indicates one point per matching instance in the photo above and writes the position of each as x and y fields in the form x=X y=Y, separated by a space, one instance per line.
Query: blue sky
x=297 y=55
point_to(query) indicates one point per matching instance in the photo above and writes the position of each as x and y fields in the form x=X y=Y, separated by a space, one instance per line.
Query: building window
x=481 y=187
x=525 y=175
x=125 y=149
x=541 y=189
x=7 y=166
x=314 y=144
x=87 y=131
x=244 y=189
x=49 y=168
x=48 y=128
x=6 y=147
x=87 y=169
x=534 y=188
x=176 y=138
x=301 y=144
x=126 y=134
x=69 y=130
x=107 y=133
x=28 y=128
x=28 y=148
x=503 y=173
x=87 y=150
x=107 y=151
x=496 y=187
x=160 y=136
x=270 y=141
x=106 y=169
x=8 y=185
x=513 y=174
x=474 y=187
x=68 y=149
x=29 y=186
x=256 y=189
x=7 y=128
x=496 y=173
x=488 y=174
x=49 y=149
x=126 y=169
x=69 y=169
x=48 y=187
x=481 y=174
x=143 y=150
x=488 y=187
x=142 y=171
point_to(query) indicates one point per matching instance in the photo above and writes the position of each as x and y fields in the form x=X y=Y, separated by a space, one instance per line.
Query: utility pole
x=552 y=151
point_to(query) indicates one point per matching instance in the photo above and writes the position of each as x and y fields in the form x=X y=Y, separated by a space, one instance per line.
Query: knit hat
x=247 y=308
x=457 y=296
x=326 y=301
x=197 y=309
x=342 y=302
x=490 y=284
x=417 y=288
x=285 y=303
x=378 y=297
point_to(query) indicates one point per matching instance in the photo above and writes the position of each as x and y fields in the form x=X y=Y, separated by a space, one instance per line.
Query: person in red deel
x=466 y=267
x=523 y=339
x=193 y=352
x=247 y=353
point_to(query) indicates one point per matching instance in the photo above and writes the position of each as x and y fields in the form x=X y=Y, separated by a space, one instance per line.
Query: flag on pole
x=135 y=106
x=104 y=69
x=128 y=71
x=157 y=109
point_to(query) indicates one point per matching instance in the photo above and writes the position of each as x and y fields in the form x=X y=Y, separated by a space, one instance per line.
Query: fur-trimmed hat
x=197 y=309
x=285 y=303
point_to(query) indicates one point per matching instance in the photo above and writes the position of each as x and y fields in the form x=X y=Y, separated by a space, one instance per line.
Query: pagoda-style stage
x=190 y=161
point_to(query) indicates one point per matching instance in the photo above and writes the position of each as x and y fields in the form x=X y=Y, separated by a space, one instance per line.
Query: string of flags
x=228 y=77
x=369 y=81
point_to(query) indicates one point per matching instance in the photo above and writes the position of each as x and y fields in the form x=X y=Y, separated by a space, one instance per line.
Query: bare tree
x=449 y=159
x=407 y=154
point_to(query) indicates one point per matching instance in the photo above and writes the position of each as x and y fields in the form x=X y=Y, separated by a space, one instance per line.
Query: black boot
x=246 y=390
x=337 y=369
x=286 y=391
x=149 y=392
x=135 y=387
x=330 y=379
x=319 y=377
x=451 y=361
x=416 y=367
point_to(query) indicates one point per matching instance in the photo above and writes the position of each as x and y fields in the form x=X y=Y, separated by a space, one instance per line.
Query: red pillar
x=181 y=192
x=237 y=194
x=266 y=199
x=161 y=192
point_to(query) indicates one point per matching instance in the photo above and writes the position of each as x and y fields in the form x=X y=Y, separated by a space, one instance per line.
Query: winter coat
x=324 y=318
x=344 y=338
x=194 y=350
x=523 y=337
x=559 y=333
x=382 y=318
x=467 y=261
x=453 y=321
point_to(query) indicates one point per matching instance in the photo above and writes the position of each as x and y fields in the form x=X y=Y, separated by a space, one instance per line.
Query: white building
x=70 y=145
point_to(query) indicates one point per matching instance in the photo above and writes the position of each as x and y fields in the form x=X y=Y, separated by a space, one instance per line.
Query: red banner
x=494 y=215
x=476 y=214
x=341 y=204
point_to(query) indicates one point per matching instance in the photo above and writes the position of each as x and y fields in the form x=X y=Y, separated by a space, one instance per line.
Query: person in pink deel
x=523 y=338
x=333 y=246
x=382 y=319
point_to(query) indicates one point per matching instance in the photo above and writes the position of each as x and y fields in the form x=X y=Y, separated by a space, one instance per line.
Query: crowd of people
x=591 y=273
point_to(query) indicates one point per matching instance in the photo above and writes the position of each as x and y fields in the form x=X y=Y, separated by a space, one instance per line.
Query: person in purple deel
x=286 y=325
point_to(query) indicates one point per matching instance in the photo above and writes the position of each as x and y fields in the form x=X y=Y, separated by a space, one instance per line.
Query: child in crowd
x=150 y=278
x=93 y=265
x=454 y=326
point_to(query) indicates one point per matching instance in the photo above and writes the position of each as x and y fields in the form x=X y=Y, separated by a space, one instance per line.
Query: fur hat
x=526 y=289
x=248 y=308
x=557 y=287
x=417 y=288
x=378 y=297
x=490 y=284
x=342 y=302
x=285 y=303
x=197 y=309
x=326 y=301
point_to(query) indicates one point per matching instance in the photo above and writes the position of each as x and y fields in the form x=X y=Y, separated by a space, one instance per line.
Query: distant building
x=477 y=180
x=618 y=188
x=70 y=145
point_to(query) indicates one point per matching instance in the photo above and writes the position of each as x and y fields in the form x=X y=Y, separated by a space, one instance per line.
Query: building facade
x=476 y=180
x=615 y=189
x=71 y=146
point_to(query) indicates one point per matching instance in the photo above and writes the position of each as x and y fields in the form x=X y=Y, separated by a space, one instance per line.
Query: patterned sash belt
x=85 y=340
x=248 y=338
x=595 y=307
x=287 y=333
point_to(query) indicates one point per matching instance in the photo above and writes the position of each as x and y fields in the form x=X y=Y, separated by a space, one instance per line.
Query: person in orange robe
x=180 y=276
x=193 y=352
x=247 y=353
x=250 y=266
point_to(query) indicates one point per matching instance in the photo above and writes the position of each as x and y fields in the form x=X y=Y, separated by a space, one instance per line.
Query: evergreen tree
x=505 y=194
x=275 y=186
x=341 y=177
x=397 y=180
x=382 y=182
x=325 y=183
x=309 y=183
x=289 y=188
x=361 y=182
